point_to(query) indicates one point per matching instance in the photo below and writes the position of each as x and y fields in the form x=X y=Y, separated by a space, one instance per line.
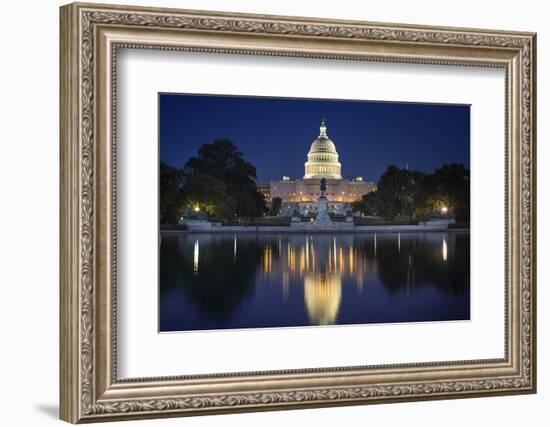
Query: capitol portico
x=302 y=194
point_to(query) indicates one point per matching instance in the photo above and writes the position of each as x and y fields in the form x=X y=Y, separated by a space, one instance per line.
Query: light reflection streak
x=307 y=253
x=286 y=280
x=399 y=242
x=334 y=249
x=196 y=257
x=267 y=259
x=302 y=260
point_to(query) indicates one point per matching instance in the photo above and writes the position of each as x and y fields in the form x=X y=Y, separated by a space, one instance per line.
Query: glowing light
x=444 y=210
x=302 y=260
x=196 y=258
x=288 y=255
x=291 y=258
x=267 y=259
x=444 y=250
x=197 y=208
x=334 y=253
x=307 y=254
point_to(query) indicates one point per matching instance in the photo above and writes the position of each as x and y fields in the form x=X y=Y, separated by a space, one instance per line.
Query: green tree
x=412 y=194
x=171 y=181
x=209 y=195
x=276 y=204
x=230 y=179
x=357 y=206
x=374 y=204
x=397 y=192
x=450 y=185
x=371 y=204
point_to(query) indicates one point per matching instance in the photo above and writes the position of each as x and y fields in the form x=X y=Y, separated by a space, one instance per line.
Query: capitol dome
x=322 y=159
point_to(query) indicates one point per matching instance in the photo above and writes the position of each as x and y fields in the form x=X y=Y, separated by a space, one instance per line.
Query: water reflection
x=196 y=257
x=295 y=280
x=322 y=294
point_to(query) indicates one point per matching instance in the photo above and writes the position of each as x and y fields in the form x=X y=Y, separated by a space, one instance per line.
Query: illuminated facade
x=265 y=189
x=301 y=195
x=322 y=159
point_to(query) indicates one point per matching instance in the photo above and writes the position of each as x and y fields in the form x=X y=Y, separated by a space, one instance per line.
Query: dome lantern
x=323 y=129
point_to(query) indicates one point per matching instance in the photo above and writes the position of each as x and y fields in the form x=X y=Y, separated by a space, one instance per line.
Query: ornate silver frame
x=90 y=36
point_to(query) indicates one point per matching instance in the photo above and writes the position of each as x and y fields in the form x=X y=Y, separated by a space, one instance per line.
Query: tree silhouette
x=221 y=167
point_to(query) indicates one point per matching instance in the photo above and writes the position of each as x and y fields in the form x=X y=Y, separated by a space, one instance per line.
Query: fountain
x=322 y=220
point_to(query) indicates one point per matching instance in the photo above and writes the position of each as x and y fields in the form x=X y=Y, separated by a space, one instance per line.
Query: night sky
x=275 y=133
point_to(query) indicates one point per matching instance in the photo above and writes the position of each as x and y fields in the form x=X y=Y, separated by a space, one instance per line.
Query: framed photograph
x=267 y=212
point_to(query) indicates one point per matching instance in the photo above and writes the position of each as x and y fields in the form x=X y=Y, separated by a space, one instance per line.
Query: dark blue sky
x=275 y=133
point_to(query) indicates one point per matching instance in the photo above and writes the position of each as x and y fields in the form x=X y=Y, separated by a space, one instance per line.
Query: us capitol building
x=301 y=195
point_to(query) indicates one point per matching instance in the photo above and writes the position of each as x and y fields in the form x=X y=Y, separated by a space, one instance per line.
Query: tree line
x=218 y=182
x=405 y=194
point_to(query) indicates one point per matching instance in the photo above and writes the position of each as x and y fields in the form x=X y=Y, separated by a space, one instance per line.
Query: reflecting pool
x=227 y=281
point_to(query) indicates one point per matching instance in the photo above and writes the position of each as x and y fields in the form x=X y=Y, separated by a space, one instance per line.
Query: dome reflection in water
x=227 y=281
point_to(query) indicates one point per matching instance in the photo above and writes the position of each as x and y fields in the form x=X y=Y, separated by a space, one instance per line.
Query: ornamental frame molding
x=90 y=37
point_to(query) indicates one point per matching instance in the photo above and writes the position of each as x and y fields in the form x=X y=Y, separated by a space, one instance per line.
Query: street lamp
x=197 y=208
x=444 y=210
